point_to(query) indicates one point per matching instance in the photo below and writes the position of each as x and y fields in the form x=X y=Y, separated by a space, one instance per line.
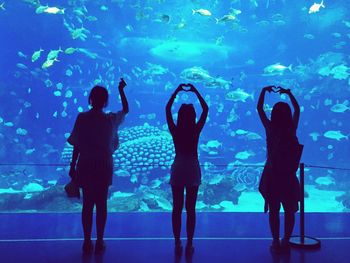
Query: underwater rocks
x=53 y=199
x=216 y=189
x=143 y=199
x=345 y=200
x=246 y=178
x=142 y=149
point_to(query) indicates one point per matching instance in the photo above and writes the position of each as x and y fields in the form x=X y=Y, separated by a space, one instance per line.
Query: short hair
x=98 y=97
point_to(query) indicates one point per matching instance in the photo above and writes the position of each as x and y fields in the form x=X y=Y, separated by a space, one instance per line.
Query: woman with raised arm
x=185 y=170
x=95 y=138
x=279 y=183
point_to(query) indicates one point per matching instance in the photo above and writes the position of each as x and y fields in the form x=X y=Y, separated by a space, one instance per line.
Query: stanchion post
x=303 y=241
x=302 y=203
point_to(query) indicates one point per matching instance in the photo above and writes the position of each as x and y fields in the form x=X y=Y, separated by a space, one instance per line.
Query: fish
x=91 y=18
x=70 y=50
x=181 y=25
x=214 y=144
x=21 y=54
x=53 y=54
x=8 y=124
x=129 y=28
x=21 y=131
x=244 y=155
x=80 y=33
x=339 y=108
x=40 y=9
x=48 y=63
x=104 y=8
x=325 y=180
x=29 y=151
x=316 y=7
x=241 y=132
x=238 y=95
x=36 y=54
x=202 y=12
x=54 y=10
x=21 y=66
x=309 y=36
x=216 y=179
x=2 y=6
x=225 y=18
x=57 y=93
x=276 y=69
x=335 y=135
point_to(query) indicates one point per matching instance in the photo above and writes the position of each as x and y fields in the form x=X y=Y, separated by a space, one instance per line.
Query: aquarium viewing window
x=54 y=52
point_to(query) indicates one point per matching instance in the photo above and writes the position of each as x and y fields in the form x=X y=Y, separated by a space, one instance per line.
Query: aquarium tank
x=53 y=52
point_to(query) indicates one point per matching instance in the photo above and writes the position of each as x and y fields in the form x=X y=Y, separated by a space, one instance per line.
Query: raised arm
x=169 y=116
x=205 y=108
x=260 y=107
x=122 y=85
x=295 y=104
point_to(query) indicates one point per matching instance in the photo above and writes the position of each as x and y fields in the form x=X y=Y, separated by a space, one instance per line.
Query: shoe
x=285 y=247
x=189 y=250
x=178 y=248
x=275 y=247
x=100 y=247
x=88 y=247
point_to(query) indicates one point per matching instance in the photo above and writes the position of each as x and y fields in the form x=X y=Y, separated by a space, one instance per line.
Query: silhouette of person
x=279 y=183
x=95 y=138
x=185 y=170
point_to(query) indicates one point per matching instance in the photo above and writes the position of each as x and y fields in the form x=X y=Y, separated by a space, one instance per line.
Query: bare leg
x=88 y=206
x=274 y=220
x=191 y=198
x=289 y=220
x=101 y=212
x=178 y=202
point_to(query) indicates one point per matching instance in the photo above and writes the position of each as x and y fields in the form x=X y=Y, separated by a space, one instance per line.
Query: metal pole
x=302 y=204
x=303 y=241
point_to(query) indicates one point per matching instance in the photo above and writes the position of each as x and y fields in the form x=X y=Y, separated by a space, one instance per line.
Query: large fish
x=276 y=69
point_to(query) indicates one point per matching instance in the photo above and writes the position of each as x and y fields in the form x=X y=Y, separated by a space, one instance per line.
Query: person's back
x=185 y=170
x=98 y=133
x=95 y=138
x=278 y=183
x=186 y=142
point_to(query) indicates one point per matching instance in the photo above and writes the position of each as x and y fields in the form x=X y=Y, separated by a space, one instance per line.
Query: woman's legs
x=86 y=215
x=101 y=211
x=178 y=202
x=289 y=218
x=191 y=198
x=274 y=219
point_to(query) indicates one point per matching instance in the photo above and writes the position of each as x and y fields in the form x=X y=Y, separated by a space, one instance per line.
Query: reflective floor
x=146 y=237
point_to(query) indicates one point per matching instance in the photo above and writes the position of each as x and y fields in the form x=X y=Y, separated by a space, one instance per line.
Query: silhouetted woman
x=185 y=170
x=279 y=183
x=95 y=138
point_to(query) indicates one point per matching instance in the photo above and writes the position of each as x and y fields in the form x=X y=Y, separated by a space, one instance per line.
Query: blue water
x=151 y=44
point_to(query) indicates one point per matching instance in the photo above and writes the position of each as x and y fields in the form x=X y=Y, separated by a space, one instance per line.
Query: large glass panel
x=54 y=52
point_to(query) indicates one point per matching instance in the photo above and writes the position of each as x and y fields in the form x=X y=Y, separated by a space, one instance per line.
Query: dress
x=185 y=170
x=95 y=134
x=279 y=182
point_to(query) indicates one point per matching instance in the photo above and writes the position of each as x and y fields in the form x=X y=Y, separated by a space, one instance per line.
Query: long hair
x=282 y=120
x=186 y=118
x=98 y=97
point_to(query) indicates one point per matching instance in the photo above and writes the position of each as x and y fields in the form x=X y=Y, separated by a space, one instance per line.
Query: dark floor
x=146 y=237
